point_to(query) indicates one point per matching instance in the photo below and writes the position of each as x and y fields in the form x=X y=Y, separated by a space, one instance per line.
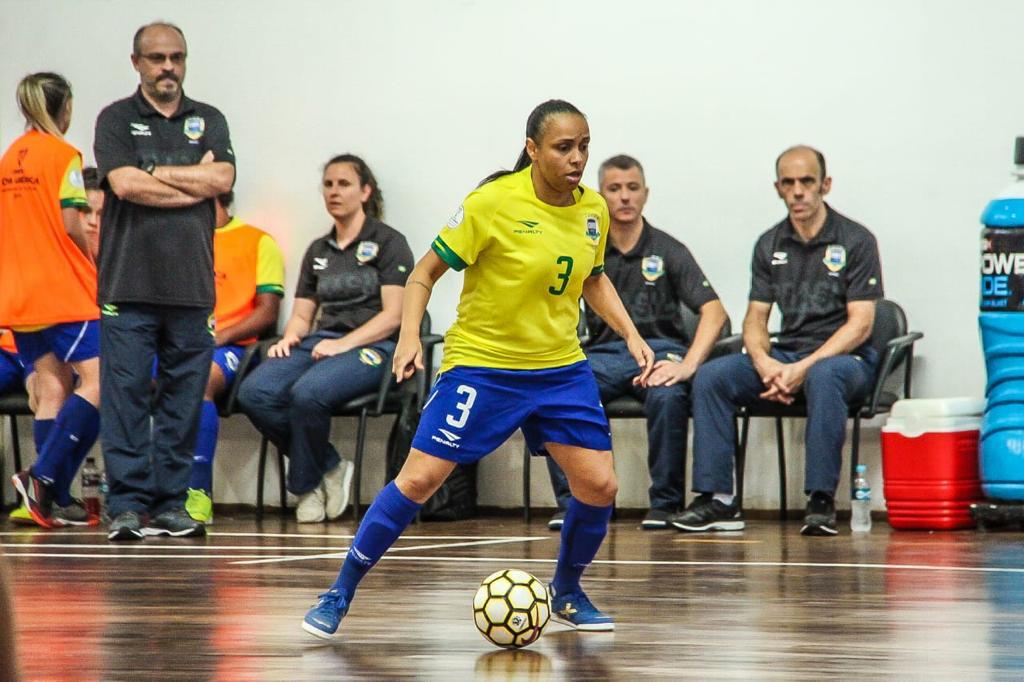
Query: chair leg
x=357 y=487
x=526 y=483
x=780 y=444
x=282 y=490
x=741 y=457
x=15 y=443
x=854 y=452
x=261 y=473
x=686 y=449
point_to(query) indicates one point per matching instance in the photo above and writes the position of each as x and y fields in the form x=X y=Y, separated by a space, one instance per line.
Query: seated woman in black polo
x=353 y=276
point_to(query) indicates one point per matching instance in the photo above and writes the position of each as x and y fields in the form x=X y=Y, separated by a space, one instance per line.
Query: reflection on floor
x=764 y=602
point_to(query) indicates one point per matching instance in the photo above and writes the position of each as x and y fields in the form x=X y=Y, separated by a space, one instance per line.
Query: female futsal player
x=48 y=280
x=531 y=242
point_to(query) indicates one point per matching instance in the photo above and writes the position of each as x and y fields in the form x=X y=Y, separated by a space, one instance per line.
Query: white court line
x=337 y=555
x=252 y=548
x=733 y=564
x=520 y=560
x=313 y=536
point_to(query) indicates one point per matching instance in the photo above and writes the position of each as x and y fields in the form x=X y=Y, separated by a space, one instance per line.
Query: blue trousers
x=291 y=399
x=149 y=438
x=724 y=384
x=666 y=408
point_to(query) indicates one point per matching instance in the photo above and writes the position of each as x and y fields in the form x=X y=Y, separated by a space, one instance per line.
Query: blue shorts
x=471 y=411
x=69 y=341
x=12 y=372
x=227 y=358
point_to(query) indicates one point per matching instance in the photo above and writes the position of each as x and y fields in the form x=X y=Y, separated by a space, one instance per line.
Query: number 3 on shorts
x=463 y=407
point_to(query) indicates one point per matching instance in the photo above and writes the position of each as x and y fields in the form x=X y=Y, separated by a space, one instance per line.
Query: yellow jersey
x=525 y=262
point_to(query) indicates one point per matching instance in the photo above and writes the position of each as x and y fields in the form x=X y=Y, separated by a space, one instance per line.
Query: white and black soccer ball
x=511 y=608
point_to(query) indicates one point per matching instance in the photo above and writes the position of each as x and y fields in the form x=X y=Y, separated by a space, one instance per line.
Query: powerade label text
x=1002 y=270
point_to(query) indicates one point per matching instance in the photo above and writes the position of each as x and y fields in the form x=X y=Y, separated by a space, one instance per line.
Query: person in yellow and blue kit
x=531 y=242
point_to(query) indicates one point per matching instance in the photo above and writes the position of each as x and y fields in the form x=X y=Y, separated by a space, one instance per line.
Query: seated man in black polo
x=823 y=272
x=654 y=275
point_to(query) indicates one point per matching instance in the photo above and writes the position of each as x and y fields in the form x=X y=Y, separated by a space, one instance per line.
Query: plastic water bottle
x=92 y=480
x=1001 y=320
x=860 y=506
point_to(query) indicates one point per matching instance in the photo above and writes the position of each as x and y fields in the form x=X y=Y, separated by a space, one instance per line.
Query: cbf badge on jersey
x=195 y=126
x=835 y=257
x=367 y=251
x=593 y=231
x=652 y=267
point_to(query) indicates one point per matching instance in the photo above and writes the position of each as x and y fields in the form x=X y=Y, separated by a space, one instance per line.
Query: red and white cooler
x=930 y=462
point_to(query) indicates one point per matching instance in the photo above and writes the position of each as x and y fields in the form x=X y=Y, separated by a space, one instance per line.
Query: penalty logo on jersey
x=593 y=231
x=457 y=217
x=652 y=267
x=367 y=251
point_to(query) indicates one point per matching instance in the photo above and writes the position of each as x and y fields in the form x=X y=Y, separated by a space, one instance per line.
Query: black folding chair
x=895 y=348
x=628 y=407
x=13 y=404
x=384 y=400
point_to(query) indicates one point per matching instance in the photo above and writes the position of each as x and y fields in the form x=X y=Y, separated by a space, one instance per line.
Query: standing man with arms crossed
x=822 y=270
x=162 y=158
x=654 y=275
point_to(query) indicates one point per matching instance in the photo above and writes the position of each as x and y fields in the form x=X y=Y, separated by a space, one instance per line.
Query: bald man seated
x=822 y=270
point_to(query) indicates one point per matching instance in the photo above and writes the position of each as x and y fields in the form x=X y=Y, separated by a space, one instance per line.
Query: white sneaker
x=311 y=506
x=337 y=483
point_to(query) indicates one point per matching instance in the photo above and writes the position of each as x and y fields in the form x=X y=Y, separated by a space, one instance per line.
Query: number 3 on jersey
x=463 y=407
x=563 y=277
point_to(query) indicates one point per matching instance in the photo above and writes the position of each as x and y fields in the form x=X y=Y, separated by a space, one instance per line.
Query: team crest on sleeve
x=195 y=126
x=367 y=251
x=457 y=217
x=593 y=231
x=76 y=180
x=835 y=257
x=652 y=267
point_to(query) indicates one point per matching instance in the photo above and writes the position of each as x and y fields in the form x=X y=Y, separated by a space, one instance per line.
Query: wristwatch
x=149 y=166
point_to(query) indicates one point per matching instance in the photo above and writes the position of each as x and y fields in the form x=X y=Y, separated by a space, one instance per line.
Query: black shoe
x=820 y=517
x=176 y=523
x=126 y=527
x=707 y=513
x=656 y=519
x=557 y=521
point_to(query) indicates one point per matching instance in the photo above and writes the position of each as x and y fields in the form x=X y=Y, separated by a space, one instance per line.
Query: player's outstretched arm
x=409 y=352
x=600 y=295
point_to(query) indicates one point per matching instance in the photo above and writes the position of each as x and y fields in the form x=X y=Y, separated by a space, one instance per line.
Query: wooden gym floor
x=764 y=603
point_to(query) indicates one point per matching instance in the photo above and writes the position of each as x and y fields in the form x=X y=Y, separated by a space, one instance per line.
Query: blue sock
x=385 y=520
x=201 y=477
x=73 y=432
x=583 y=532
x=40 y=430
x=90 y=431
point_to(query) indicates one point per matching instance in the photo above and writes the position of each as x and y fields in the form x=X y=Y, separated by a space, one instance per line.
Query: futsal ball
x=511 y=608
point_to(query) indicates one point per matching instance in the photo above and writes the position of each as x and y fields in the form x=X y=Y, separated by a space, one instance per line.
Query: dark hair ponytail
x=374 y=206
x=534 y=125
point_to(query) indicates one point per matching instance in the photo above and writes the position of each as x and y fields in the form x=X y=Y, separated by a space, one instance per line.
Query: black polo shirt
x=160 y=256
x=346 y=282
x=812 y=282
x=653 y=279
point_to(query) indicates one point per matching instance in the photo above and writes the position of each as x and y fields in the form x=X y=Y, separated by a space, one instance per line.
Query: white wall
x=914 y=103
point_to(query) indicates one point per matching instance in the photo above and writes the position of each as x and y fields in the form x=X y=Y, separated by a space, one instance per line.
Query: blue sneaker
x=575 y=610
x=323 y=619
